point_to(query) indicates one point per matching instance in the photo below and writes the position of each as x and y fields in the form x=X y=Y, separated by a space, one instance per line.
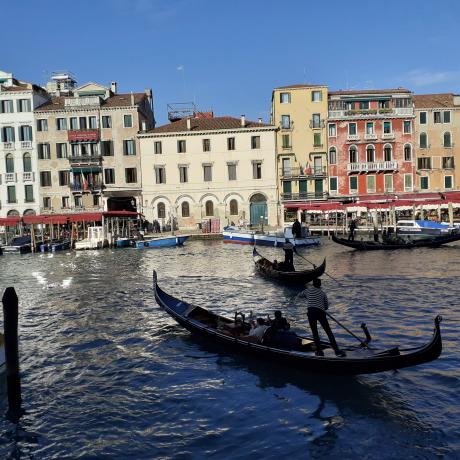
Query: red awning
x=57 y=219
x=86 y=217
x=11 y=220
x=33 y=219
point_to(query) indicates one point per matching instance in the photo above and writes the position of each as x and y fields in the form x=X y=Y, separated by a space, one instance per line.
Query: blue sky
x=228 y=55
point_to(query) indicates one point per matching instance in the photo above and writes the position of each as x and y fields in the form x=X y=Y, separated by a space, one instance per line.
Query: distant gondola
x=432 y=242
x=267 y=269
x=301 y=355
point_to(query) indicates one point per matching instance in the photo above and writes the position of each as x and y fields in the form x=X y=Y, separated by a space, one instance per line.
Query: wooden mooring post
x=10 y=328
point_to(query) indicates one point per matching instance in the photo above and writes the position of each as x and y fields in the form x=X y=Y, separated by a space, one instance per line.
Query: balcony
x=370 y=136
x=83 y=135
x=85 y=159
x=286 y=126
x=317 y=171
x=304 y=196
x=388 y=136
x=317 y=124
x=26 y=144
x=93 y=187
x=10 y=177
x=8 y=145
x=374 y=166
x=373 y=113
x=353 y=137
x=28 y=177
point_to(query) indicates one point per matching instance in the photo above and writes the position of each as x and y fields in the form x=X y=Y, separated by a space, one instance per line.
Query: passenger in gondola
x=317 y=304
x=279 y=323
x=258 y=329
x=288 y=256
x=280 y=334
x=297 y=229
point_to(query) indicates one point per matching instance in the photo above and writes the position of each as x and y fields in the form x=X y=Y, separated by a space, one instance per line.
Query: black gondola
x=432 y=242
x=301 y=355
x=267 y=269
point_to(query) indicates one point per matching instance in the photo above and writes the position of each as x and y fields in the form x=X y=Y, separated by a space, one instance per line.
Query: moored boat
x=300 y=353
x=423 y=228
x=18 y=245
x=124 y=242
x=162 y=242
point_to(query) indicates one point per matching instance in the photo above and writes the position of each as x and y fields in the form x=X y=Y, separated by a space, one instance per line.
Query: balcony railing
x=372 y=113
x=317 y=124
x=388 y=135
x=91 y=187
x=370 y=136
x=8 y=145
x=304 y=196
x=84 y=159
x=26 y=144
x=352 y=137
x=372 y=166
x=28 y=177
x=317 y=171
x=285 y=126
x=10 y=177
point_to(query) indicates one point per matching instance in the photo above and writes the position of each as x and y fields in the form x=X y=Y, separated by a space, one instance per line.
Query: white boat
x=95 y=239
x=422 y=228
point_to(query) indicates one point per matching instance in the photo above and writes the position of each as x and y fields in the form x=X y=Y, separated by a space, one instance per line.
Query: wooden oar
x=332 y=278
x=363 y=343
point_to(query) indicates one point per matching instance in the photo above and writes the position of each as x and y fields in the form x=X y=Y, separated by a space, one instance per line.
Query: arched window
x=9 y=160
x=13 y=212
x=233 y=207
x=423 y=141
x=447 y=140
x=161 y=210
x=332 y=156
x=387 y=152
x=353 y=154
x=370 y=154
x=209 y=208
x=407 y=152
x=27 y=162
x=185 y=207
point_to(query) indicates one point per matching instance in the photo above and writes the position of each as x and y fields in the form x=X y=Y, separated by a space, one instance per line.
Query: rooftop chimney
x=113 y=87
x=144 y=126
x=456 y=99
x=260 y=121
x=189 y=124
x=132 y=98
x=243 y=121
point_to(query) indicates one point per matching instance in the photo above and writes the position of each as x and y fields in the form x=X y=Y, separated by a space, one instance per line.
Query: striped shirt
x=316 y=298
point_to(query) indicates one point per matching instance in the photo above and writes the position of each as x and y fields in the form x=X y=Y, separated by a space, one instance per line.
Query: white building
x=210 y=167
x=18 y=163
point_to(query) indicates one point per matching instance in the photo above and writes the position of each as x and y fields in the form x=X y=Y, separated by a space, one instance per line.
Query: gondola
x=266 y=268
x=432 y=242
x=231 y=334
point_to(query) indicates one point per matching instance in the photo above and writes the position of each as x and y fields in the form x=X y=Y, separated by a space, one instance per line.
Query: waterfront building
x=437 y=134
x=18 y=162
x=204 y=167
x=87 y=149
x=370 y=142
x=300 y=112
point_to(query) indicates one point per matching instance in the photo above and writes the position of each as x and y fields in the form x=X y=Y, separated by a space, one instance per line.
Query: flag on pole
x=83 y=182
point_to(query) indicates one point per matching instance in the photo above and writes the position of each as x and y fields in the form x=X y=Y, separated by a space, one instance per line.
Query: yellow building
x=300 y=113
x=437 y=129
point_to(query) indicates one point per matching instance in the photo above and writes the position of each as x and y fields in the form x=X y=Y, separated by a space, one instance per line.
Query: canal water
x=107 y=374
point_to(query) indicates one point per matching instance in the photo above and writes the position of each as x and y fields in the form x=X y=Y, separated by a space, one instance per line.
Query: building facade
x=18 y=163
x=437 y=134
x=87 y=149
x=201 y=168
x=370 y=142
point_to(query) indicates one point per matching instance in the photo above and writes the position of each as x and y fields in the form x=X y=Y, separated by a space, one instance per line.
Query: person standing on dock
x=352 y=228
x=317 y=304
x=297 y=229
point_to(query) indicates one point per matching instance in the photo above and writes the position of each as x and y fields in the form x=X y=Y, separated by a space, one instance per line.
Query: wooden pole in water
x=451 y=214
x=10 y=327
x=32 y=235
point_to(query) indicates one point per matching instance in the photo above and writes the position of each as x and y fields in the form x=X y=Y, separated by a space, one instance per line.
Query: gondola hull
x=362 y=361
x=266 y=268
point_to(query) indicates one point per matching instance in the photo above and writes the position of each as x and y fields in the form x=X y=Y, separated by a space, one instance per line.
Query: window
x=370 y=127
x=316 y=120
x=61 y=124
x=285 y=121
x=448 y=162
x=45 y=178
x=160 y=174
x=353 y=184
x=82 y=122
x=8 y=134
x=64 y=178
x=11 y=193
x=231 y=171
x=255 y=142
x=332 y=156
x=207 y=173
x=78 y=201
x=181 y=146
x=285 y=98
x=384 y=104
x=332 y=130
x=352 y=129
x=424 y=183
x=407 y=182
x=130 y=175
x=448 y=183
x=316 y=96
x=107 y=148
x=9 y=163
x=129 y=147
x=230 y=143
x=183 y=174
x=388 y=182
x=47 y=202
x=27 y=162
x=127 y=121
x=158 y=148
x=25 y=133
x=387 y=153
x=92 y=123
x=424 y=163
x=447 y=140
x=29 y=193
x=407 y=152
x=42 y=125
x=73 y=123
x=96 y=200
x=446 y=117
x=206 y=145
x=333 y=184
x=370 y=154
x=286 y=141
x=370 y=184
x=407 y=126
x=24 y=105
x=161 y=210
x=257 y=170
x=61 y=150
x=386 y=127
x=317 y=140
x=209 y=208
x=109 y=176
x=106 y=121
x=353 y=154
x=364 y=105
x=437 y=117
x=423 y=142
x=65 y=202
x=43 y=151
x=422 y=118
x=233 y=207
x=6 y=107
x=185 y=209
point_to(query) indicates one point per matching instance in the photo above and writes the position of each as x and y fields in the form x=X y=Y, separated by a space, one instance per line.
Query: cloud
x=422 y=77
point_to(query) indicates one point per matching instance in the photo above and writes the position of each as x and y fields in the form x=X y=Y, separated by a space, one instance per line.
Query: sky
x=228 y=55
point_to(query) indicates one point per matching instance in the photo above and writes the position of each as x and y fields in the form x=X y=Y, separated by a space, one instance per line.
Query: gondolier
x=318 y=303
x=289 y=256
